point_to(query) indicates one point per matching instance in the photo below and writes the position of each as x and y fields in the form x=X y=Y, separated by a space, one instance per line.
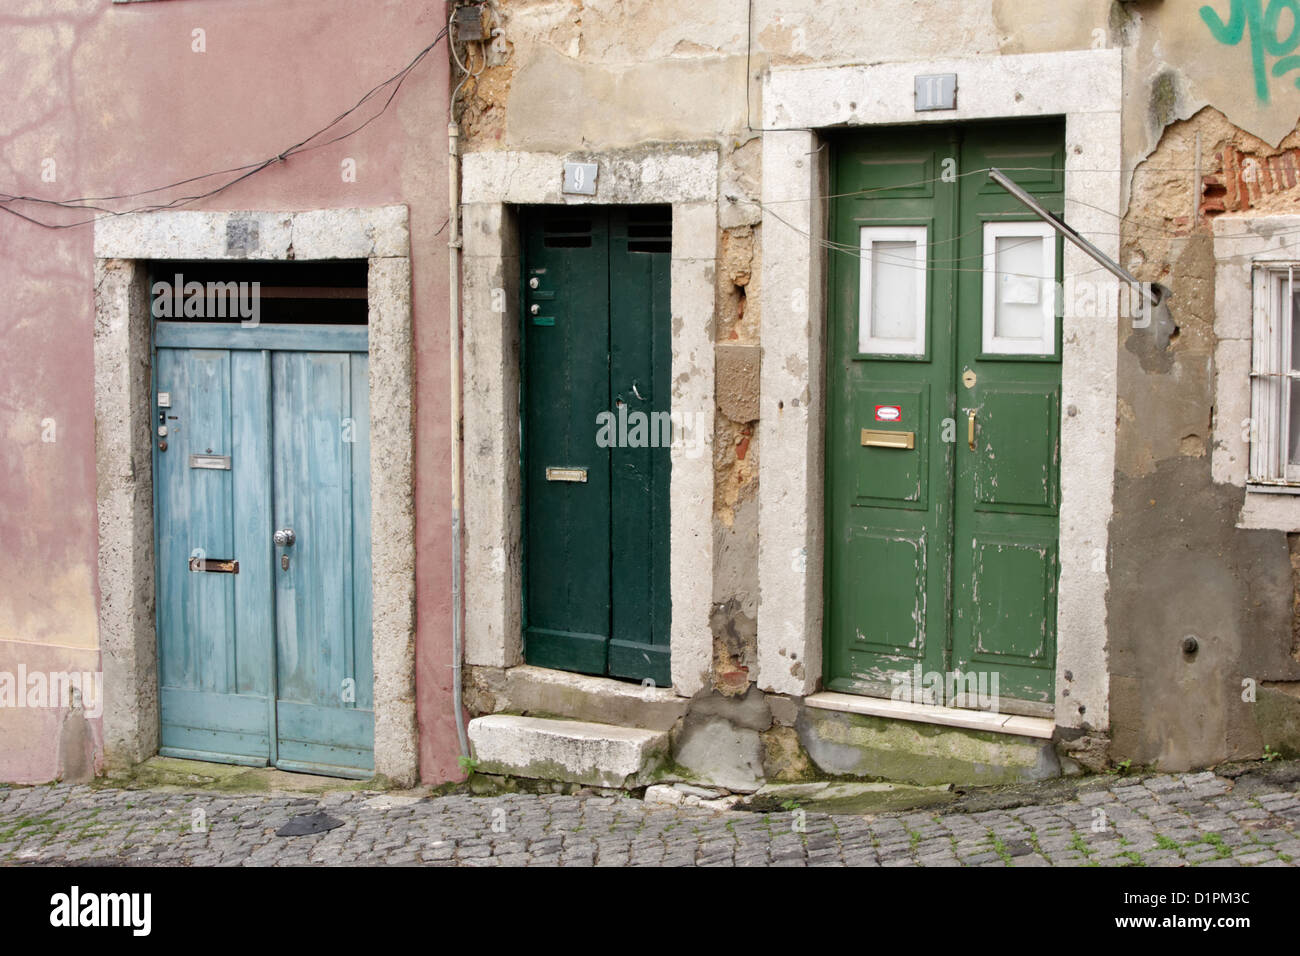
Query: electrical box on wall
x=471 y=23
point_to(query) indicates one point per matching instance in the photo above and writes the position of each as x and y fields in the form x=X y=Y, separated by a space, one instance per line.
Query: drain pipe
x=454 y=248
x=457 y=433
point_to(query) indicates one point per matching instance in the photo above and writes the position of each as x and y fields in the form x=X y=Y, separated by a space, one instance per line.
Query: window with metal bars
x=1275 y=378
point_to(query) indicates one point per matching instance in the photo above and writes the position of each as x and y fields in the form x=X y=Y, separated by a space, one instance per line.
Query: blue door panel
x=273 y=663
x=325 y=737
x=359 y=432
x=320 y=411
x=199 y=653
x=217 y=725
x=250 y=464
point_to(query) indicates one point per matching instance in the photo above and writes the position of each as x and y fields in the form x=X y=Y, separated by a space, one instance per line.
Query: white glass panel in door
x=1019 y=289
x=891 y=319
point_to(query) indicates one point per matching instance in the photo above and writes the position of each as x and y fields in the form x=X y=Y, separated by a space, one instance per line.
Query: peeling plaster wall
x=573 y=76
x=117 y=97
x=1184 y=563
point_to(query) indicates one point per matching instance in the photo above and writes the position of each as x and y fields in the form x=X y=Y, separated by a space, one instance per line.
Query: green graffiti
x=1249 y=19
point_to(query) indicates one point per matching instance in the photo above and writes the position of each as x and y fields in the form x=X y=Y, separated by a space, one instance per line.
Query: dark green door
x=597 y=431
x=943 y=417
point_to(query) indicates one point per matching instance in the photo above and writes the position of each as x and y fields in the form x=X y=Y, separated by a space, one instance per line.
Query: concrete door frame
x=124 y=442
x=1083 y=86
x=495 y=183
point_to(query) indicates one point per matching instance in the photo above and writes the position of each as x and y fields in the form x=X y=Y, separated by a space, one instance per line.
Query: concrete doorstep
x=599 y=755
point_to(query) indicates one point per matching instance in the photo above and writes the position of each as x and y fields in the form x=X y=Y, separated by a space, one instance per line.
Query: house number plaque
x=936 y=91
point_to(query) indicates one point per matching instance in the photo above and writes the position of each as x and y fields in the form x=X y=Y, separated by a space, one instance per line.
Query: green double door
x=943 y=419
x=596 y=436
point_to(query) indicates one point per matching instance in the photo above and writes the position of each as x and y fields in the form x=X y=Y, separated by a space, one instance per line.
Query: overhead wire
x=245 y=171
x=7 y=200
x=1131 y=229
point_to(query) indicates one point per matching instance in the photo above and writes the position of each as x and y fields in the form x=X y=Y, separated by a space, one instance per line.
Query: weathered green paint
x=271 y=664
x=939 y=557
x=596 y=366
x=1005 y=565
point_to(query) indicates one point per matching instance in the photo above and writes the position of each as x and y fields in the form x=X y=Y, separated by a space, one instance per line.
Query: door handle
x=284 y=537
x=970 y=428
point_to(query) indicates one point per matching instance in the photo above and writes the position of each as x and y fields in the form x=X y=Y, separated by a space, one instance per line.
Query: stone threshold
x=1041 y=727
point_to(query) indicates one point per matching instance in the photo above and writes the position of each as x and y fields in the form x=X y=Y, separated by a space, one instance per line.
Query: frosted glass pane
x=1295 y=332
x=1020 y=288
x=893 y=290
x=1293 y=442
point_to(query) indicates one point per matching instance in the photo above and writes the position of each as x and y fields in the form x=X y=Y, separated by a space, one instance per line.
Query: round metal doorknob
x=284 y=537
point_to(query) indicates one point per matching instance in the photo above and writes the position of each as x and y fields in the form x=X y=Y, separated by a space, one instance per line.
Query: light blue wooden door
x=322 y=580
x=264 y=647
x=214 y=626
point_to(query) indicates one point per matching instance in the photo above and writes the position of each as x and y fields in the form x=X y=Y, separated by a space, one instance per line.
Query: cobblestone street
x=1165 y=820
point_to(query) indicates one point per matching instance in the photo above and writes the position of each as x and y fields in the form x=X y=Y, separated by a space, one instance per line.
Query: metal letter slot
x=566 y=474
x=876 y=438
x=218 y=462
x=215 y=565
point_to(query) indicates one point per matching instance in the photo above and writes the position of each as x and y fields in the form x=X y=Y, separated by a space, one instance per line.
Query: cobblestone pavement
x=1173 y=820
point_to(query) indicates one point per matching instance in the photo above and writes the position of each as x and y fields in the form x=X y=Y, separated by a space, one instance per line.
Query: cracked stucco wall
x=1181 y=565
x=593 y=75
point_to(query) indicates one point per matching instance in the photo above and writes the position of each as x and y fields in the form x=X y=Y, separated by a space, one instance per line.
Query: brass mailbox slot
x=566 y=474
x=215 y=565
x=876 y=438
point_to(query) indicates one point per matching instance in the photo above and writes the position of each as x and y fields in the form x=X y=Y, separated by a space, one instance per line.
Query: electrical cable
x=245 y=171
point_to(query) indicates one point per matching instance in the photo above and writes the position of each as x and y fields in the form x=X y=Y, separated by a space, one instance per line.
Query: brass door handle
x=970 y=428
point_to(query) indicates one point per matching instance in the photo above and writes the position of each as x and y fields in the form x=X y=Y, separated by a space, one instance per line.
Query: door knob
x=970 y=430
x=284 y=537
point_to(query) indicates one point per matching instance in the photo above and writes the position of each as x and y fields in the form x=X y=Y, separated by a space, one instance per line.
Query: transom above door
x=943 y=417
x=597 y=430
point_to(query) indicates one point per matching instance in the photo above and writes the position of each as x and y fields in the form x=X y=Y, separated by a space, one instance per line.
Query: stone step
x=539 y=691
x=574 y=751
x=853 y=736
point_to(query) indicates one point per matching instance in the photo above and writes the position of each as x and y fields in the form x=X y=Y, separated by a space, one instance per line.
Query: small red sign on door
x=889 y=413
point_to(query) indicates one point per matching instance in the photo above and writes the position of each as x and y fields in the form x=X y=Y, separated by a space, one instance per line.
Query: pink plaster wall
x=115 y=95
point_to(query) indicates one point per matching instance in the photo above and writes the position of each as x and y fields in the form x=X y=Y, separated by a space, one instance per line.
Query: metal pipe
x=457 y=455
x=1153 y=292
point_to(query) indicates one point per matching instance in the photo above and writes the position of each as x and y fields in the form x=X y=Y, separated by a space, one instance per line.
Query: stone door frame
x=494 y=185
x=124 y=246
x=1083 y=86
